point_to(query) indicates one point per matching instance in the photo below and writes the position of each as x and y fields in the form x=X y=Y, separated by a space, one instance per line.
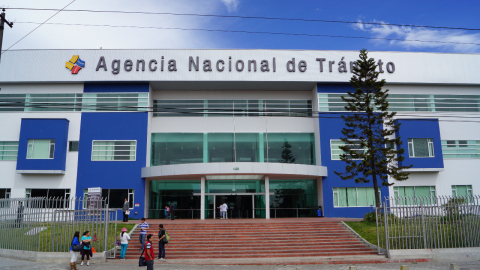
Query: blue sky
x=436 y=13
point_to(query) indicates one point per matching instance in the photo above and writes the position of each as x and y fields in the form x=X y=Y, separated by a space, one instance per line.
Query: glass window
x=116 y=197
x=336 y=151
x=238 y=108
x=5 y=193
x=235 y=186
x=461 y=149
x=40 y=149
x=220 y=147
x=293 y=197
x=179 y=192
x=462 y=191
x=410 y=102
x=420 y=148
x=414 y=195
x=114 y=150
x=351 y=197
x=298 y=148
x=176 y=148
x=247 y=147
x=56 y=198
x=185 y=148
x=8 y=150
x=73 y=146
x=75 y=102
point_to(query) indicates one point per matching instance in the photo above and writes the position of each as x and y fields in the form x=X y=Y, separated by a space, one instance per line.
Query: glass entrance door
x=239 y=206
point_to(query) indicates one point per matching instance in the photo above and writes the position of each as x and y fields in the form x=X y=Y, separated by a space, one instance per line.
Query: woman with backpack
x=124 y=237
x=161 y=242
x=73 y=254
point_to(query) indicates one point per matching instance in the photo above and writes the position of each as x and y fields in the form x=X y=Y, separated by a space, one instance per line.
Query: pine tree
x=287 y=156
x=369 y=131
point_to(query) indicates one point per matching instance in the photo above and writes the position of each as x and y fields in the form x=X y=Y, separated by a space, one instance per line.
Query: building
x=258 y=129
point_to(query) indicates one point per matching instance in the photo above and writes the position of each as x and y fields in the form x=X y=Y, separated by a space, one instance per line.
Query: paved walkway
x=9 y=264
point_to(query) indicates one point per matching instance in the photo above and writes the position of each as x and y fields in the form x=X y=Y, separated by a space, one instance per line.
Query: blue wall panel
x=43 y=129
x=116 y=87
x=113 y=174
x=331 y=125
x=421 y=128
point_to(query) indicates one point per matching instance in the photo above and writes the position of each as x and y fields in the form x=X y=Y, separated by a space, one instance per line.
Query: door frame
x=234 y=194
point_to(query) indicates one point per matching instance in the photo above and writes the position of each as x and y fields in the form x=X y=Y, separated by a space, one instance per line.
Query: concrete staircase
x=267 y=240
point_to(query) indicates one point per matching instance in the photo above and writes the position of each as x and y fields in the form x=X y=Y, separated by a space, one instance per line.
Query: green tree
x=369 y=150
x=287 y=156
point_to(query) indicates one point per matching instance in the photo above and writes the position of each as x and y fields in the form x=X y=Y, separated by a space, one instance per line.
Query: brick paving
x=10 y=264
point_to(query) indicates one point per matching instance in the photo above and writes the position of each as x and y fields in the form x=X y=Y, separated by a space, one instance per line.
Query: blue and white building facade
x=257 y=129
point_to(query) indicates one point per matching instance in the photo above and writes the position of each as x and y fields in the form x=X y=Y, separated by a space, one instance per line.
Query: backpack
x=167 y=237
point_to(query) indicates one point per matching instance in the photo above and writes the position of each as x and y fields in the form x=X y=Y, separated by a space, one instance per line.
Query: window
x=336 y=151
x=238 y=108
x=414 y=195
x=410 y=102
x=40 y=149
x=56 y=198
x=185 y=148
x=74 y=102
x=114 y=150
x=113 y=197
x=73 y=146
x=5 y=193
x=462 y=191
x=420 y=148
x=353 y=197
x=8 y=150
x=461 y=149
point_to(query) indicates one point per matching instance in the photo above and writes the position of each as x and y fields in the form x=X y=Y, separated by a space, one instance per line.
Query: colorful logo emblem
x=75 y=64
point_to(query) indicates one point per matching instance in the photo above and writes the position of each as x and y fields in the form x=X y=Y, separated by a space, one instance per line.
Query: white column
x=202 y=198
x=267 y=197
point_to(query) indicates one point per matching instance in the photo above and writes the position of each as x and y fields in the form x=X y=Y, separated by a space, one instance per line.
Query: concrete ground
x=124 y=265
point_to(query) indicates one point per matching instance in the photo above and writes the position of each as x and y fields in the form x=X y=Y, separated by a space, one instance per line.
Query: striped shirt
x=143 y=226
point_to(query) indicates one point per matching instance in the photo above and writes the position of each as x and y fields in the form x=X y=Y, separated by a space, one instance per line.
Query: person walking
x=20 y=214
x=221 y=211
x=167 y=212
x=143 y=233
x=149 y=253
x=73 y=254
x=161 y=242
x=225 y=209
x=172 y=211
x=87 y=247
x=124 y=237
x=126 y=210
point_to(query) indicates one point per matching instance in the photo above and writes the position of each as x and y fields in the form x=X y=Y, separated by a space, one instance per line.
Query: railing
x=428 y=222
x=49 y=224
x=179 y=213
x=293 y=212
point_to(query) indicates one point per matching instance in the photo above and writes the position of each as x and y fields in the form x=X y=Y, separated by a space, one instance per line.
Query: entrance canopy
x=197 y=170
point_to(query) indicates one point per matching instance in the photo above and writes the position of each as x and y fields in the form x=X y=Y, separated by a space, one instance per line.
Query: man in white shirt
x=221 y=211
x=225 y=208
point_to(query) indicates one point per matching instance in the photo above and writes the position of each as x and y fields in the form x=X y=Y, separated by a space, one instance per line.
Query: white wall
x=10 y=123
x=453 y=126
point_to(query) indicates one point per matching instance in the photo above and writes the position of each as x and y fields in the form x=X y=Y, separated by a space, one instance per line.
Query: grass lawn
x=366 y=229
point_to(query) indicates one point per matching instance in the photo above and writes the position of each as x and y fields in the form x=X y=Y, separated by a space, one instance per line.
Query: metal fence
x=48 y=224
x=428 y=223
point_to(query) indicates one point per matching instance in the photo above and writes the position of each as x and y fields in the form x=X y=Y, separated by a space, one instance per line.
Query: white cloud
x=86 y=37
x=231 y=5
x=413 y=37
